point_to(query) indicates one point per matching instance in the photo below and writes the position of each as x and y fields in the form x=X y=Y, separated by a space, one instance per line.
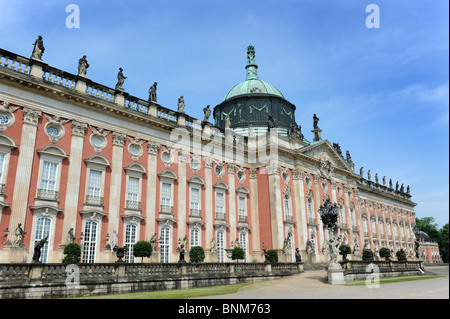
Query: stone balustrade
x=360 y=269
x=38 y=280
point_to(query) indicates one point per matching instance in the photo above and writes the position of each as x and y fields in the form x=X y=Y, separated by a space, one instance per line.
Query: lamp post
x=329 y=215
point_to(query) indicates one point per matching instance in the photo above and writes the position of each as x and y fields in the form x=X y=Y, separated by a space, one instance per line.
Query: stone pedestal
x=336 y=276
x=18 y=255
x=317 y=134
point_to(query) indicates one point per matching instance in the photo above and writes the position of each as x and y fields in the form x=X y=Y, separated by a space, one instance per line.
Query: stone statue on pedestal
x=207 y=113
x=82 y=66
x=38 y=48
x=315 y=122
x=120 y=79
x=152 y=92
x=37 y=249
x=20 y=235
x=181 y=104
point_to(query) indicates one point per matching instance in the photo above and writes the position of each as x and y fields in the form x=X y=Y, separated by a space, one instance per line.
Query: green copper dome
x=252 y=84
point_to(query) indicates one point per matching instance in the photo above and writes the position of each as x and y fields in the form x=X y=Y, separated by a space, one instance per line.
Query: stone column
x=276 y=212
x=182 y=200
x=116 y=185
x=256 y=241
x=73 y=178
x=300 y=209
x=321 y=235
x=232 y=201
x=19 y=203
x=209 y=208
x=152 y=181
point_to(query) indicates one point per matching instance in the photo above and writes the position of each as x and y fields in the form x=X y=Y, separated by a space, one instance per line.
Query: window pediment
x=53 y=150
x=168 y=174
x=196 y=180
x=7 y=141
x=98 y=160
x=137 y=168
x=220 y=185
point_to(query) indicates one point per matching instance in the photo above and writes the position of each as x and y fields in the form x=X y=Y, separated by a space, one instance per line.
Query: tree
x=428 y=226
x=237 y=253
x=273 y=256
x=142 y=249
x=367 y=254
x=443 y=243
x=385 y=253
x=196 y=254
x=344 y=250
x=73 y=254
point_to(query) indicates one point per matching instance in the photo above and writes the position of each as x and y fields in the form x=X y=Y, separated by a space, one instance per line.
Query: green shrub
x=385 y=253
x=345 y=250
x=73 y=254
x=273 y=256
x=367 y=254
x=237 y=253
x=142 y=249
x=196 y=254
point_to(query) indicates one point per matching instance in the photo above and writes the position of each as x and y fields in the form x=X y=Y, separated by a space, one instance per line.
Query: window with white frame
x=352 y=214
x=342 y=215
x=220 y=245
x=310 y=210
x=220 y=207
x=388 y=226
x=195 y=237
x=243 y=242
x=164 y=245
x=381 y=227
x=2 y=165
x=96 y=170
x=166 y=196
x=43 y=226
x=133 y=193
x=287 y=207
x=47 y=185
x=130 y=240
x=89 y=241
x=195 y=199
x=242 y=205
x=94 y=188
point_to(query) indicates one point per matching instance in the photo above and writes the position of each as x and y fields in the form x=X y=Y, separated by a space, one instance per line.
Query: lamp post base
x=336 y=277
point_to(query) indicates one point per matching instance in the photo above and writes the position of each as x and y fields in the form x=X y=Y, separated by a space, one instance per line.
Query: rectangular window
x=242 y=212
x=133 y=189
x=219 y=203
x=195 y=198
x=166 y=195
x=220 y=246
x=2 y=164
x=195 y=239
x=47 y=186
x=287 y=210
x=130 y=240
x=94 y=195
x=89 y=242
x=310 y=212
x=133 y=193
x=165 y=244
x=243 y=243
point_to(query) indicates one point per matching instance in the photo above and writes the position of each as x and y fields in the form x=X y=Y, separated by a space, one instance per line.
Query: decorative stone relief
x=167 y=156
x=253 y=173
x=7 y=118
x=153 y=148
x=219 y=170
x=208 y=161
x=98 y=138
x=195 y=163
x=78 y=128
x=54 y=128
x=135 y=148
x=31 y=116
x=241 y=174
x=118 y=138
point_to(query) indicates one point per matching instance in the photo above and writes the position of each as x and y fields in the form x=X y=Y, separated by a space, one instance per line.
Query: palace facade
x=86 y=163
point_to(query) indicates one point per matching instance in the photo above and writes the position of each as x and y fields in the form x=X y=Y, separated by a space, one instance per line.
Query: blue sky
x=382 y=93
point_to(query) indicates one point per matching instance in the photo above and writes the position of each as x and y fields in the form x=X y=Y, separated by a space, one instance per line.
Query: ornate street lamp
x=329 y=214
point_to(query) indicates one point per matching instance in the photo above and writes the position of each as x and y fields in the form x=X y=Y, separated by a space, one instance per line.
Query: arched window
x=164 y=244
x=220 y=246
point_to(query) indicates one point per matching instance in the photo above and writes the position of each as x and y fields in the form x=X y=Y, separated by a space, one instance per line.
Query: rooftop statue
x=250 y=54
x=82 y=66
x=207 y=112
x=181 y=104
x=120 y=79
x=38 y=48
x=152 y=92
x=315 y=122
x=271 y=122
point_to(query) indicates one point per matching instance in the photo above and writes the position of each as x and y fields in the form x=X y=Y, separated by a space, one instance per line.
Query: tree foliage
x=428 y=225
x=142 y=249
x=73 y=254
x=385 y=253
x=237 y=253
x=196 y=254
